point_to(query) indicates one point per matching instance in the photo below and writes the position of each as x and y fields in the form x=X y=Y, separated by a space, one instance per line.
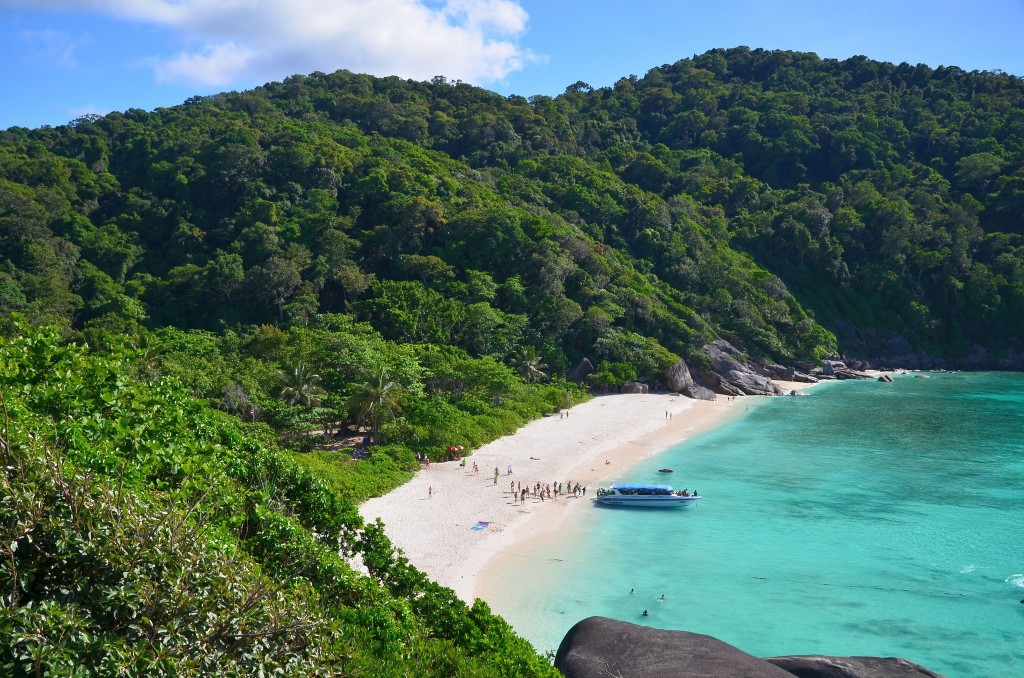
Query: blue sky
x=65 y=58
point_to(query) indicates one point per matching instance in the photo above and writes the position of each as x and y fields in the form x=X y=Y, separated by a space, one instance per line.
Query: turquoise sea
x=863 y=519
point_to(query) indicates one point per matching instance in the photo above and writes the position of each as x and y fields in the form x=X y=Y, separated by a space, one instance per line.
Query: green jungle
x=205 y=309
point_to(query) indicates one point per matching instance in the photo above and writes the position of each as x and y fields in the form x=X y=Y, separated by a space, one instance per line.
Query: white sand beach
x=430 y=518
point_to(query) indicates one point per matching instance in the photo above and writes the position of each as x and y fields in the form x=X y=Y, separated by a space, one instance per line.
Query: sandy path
x=430 y=517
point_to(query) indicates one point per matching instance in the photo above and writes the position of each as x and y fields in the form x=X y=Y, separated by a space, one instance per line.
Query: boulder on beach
x=679 y=380
x=753 y=384
x=735 y=376
x=634 y=387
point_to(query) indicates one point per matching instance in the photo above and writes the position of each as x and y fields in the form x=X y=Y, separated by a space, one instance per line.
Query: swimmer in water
x=645 y=613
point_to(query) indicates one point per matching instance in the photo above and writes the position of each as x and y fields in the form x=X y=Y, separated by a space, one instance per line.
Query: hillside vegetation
x=145 y=534
x=666 y=210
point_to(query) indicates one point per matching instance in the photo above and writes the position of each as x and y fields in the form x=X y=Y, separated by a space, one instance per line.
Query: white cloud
x=258 y=40
x=55 y=49
x=215 y=65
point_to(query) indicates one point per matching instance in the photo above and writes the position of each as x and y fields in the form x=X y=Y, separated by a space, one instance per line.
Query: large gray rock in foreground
x=816 y=666
x=598 y=647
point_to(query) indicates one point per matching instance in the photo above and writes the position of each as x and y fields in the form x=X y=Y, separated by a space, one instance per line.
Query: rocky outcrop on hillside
x=732 y=375
x=598 y=647
x=579 y=374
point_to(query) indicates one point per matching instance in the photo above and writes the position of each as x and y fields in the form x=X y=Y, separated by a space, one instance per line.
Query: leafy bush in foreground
x=145 y=534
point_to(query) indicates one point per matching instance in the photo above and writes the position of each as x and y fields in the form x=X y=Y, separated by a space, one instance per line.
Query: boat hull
x=647 y=501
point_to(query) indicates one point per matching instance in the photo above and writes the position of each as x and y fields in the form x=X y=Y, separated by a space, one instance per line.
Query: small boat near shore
x=664 y=470
x=646 y=495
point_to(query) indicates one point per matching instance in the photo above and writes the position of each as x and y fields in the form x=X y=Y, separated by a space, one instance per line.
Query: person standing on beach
x=430 y=491
x=495 y=478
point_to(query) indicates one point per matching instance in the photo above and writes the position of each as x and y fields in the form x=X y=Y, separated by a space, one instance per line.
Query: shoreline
x=431 y=519
x=529 y=535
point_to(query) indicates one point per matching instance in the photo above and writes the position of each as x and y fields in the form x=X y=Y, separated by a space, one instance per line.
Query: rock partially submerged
x=729 y=372
x=598 y=647
x=817 y=666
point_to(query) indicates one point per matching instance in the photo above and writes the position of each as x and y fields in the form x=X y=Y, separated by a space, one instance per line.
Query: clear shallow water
x=863 y=519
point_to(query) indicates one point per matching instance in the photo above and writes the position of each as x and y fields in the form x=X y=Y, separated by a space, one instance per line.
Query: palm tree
x=377 y=399
x=529 y=365
x=300 y=386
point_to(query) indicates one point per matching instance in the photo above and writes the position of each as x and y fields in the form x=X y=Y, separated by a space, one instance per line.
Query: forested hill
x=752 y=195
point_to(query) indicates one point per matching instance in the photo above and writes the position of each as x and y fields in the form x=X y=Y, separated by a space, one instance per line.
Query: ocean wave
x=1016 y=580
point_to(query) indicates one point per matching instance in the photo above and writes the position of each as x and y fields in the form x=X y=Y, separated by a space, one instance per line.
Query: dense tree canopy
x=723 y=195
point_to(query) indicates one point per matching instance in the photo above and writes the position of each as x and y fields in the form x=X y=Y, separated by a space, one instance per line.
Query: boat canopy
x=640 y=486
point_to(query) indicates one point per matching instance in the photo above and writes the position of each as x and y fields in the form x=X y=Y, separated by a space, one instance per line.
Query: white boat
x=646 y=495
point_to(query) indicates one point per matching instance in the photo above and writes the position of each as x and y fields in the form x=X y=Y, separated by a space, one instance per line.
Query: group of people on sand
x=542 y=492
x=520 y=493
